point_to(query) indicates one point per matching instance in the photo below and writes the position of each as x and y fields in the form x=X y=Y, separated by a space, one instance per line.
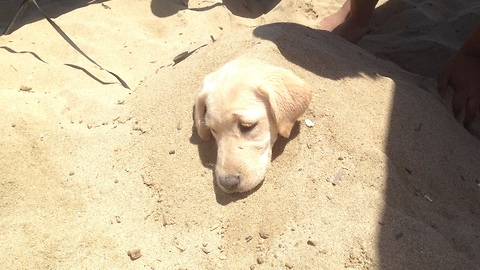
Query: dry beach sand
x=91 y=170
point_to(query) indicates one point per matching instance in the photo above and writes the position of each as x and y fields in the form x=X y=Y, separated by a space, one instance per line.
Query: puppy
x=245 y=105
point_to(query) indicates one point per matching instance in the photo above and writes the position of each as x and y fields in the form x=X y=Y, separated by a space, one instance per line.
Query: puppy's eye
x=246 y=127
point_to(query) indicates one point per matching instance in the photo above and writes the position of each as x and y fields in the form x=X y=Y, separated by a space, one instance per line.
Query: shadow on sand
x=414 y=169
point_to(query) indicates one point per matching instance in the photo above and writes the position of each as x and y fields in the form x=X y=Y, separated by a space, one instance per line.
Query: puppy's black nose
x=229 y=181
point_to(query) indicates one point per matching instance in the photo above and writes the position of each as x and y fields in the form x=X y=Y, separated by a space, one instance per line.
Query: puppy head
x=245 y=105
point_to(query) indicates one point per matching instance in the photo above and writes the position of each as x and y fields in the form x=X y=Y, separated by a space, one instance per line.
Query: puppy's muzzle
x=229 y=182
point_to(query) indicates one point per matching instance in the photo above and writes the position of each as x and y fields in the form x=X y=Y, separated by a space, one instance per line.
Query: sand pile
x=92 y=170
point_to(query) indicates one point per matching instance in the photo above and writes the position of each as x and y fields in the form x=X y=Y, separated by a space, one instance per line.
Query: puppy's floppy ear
x=288 y=95
x=200 y=112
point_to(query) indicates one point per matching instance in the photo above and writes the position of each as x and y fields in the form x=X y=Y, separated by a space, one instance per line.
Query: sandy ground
x=91 y=170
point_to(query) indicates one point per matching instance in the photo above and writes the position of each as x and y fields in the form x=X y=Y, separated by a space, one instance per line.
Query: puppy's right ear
x=200 y=112
x=288 y=95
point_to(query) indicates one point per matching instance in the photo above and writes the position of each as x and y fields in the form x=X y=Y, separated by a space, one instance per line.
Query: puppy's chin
x=238 y=182
x=243 y=186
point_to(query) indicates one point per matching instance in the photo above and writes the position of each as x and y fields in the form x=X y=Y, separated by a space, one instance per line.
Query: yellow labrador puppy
x=245 y=105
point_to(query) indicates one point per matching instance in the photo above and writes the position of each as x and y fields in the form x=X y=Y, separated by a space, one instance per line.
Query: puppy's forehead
x=235 y=103
x=230 y=90
x=241 y=101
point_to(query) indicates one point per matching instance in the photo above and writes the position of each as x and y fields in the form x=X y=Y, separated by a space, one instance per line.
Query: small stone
x=166 y=220
x=427 y=197
x=289 y=265
x=134 y=254
x=118 y=219
x=205 y=250
x=171 y=152
x=260 y=260
x=71 y=173
x=309 y=123
x=311 y=243
x=338 y=177
x=264 y=235
x=25 y=88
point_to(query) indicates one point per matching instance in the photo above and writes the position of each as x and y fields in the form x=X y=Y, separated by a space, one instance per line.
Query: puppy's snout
x=229 y=182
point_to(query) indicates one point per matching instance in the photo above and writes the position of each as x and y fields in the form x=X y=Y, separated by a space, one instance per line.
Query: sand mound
x=92 y=170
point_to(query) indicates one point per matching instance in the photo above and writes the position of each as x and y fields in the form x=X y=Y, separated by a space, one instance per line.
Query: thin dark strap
x=20 y=12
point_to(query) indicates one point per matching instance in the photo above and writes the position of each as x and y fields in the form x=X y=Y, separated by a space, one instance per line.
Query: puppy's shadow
x=282 y=142
x=207 y=150
x=226 y=198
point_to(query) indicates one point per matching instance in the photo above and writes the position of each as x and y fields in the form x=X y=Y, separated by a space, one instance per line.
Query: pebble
x=337 y=178
x=118 y=219
x=309 y=123
x=289 y=265
x=260 y=260
x=134 y=254
x=205 y=250
x=311 y=243
x=25 y=88
x=71 y=173
x=167 y=221
x=427 y=197
x=264 y=235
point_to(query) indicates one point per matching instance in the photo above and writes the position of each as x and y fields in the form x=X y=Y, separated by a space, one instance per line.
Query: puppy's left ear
x=200 y=112
x=288 y=95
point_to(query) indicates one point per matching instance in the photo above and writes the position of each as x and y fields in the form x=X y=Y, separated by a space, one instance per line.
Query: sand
x=92 y=171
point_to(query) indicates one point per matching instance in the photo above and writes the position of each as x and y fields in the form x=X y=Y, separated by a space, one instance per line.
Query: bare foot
x=331 y=22
x=351 y=31
x=352 y=21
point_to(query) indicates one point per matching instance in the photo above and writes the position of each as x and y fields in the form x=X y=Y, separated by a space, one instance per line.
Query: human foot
x=351 y=31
